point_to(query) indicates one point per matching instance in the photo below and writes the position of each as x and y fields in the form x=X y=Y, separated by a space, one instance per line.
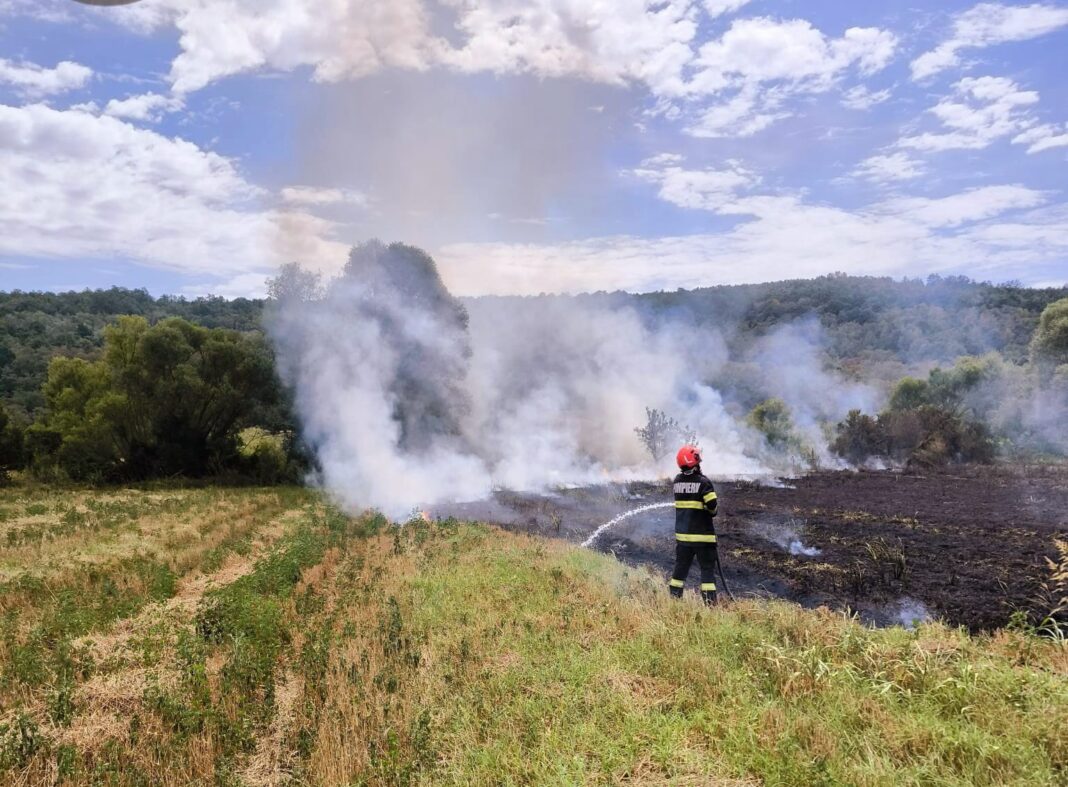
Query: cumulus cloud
x=628 y=40
x=988 y=24
x=82 y=185
x=147 y=107
x=757 y=63
x=33 y=80
x=763 y=50
x=619 y=42
x=748 y=112
x=746 y=73
x=710 y=189
x=889 y=168
x=980 y=111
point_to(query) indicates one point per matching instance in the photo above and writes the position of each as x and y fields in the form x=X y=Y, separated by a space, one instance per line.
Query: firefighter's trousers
x=706 y=559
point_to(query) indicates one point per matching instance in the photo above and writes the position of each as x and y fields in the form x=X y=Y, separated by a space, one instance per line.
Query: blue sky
x=192 y=146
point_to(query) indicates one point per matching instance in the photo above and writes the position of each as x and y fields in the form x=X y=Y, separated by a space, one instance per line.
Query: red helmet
x=689 y=456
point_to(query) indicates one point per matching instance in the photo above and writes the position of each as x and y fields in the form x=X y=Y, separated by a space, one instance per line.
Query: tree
x=772 y=419
x=909 y=394
x=11 y=443
x=859 y=438
x=294 y=283
x=1049 y=346
x=659 y=431
x=398 y=289
x=164 y=400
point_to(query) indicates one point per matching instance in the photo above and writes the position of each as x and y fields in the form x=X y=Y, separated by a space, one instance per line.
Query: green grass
x=567 y=667
x=353 y=653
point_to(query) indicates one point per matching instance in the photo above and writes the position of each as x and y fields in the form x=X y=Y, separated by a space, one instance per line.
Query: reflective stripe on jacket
x=695 y=505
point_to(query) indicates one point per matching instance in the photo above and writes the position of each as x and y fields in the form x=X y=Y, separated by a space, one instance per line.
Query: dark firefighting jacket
x=695 y=506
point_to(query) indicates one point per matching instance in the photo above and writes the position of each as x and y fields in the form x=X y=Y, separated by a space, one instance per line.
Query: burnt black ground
x=969 y=544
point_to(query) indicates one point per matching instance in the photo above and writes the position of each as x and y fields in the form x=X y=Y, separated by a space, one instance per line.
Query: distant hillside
x=913 y=321
x=36 y=326
x=876 y=324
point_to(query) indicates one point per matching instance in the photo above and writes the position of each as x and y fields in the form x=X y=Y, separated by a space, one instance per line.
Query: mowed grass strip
x=141 y=543
x=46 y=531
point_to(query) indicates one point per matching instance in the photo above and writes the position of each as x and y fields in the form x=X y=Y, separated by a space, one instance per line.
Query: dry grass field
x=259 y=637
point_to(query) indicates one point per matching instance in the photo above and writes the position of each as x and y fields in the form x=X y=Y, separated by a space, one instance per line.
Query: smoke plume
x=410 y=398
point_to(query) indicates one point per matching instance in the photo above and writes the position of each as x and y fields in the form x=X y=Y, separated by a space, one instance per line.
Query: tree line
x=879 y=327
x=115 y=385
x=975 y=410
x=162 y=400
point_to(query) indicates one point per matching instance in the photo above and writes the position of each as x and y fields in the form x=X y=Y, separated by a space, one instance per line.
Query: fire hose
x=722 y=578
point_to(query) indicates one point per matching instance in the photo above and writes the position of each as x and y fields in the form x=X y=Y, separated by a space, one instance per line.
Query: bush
x=909 y=394
x=934 y=421
x=859 y=438
x=925 y=435
x=772 y=419
x=264 y=457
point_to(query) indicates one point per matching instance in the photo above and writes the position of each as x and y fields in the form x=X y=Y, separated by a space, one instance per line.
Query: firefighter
x=695 y=532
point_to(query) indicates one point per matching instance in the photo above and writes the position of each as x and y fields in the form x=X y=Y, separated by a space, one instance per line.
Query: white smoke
x=792 y=369
x=404 y=408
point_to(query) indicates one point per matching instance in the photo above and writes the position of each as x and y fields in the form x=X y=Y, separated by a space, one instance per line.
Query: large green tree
x=1049 y=347
x=163 y=400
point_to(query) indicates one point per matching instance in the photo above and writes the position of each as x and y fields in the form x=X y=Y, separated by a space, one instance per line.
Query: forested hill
x=36 y=326
x=866 y=320
x=936 y=320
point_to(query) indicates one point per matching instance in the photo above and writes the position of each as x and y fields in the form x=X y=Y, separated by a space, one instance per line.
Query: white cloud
x=861 y=98
x=968 y=206
x=81 y=185
x=784 y=238
x=33 y=80
x=147 y=107
x=244 y=285
x=743 y=115
x=619 y=42
x=662 y=160
x=339 y=39
x=311 y=195
x=1043 y=137
x=993 y=230
x=754 y=65
x=716 y=8
x=988 y=24
x=708 y=189
x=42 y=10
x=762 y=50
x=758 y=63
x=889 y=168
x=628 y=40
x=981 y=111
